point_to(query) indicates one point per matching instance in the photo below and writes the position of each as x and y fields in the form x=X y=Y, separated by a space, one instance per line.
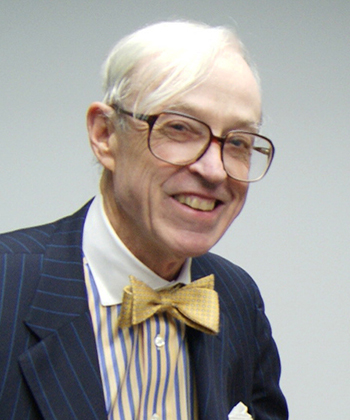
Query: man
x=177 y=137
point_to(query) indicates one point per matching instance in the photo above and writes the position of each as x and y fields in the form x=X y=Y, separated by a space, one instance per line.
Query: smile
x=197 y=203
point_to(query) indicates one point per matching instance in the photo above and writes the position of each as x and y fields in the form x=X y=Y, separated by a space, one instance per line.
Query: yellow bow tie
x=196 y=304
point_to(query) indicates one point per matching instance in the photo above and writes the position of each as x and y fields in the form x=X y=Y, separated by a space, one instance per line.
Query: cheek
x=136 y=183
x=239 y=194
x=239 y=190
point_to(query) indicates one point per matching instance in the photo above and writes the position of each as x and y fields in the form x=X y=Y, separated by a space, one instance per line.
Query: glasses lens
x=181 y=140
x=177 y=139
x=247 y=156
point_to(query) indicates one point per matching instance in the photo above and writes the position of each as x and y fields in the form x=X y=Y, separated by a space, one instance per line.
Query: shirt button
x=159 y=342
x=155 y=417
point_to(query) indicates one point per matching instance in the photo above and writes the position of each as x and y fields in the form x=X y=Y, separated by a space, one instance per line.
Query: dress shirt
x=110 y=261
x=145 y=369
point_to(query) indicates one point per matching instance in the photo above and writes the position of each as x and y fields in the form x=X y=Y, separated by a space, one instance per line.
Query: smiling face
x=165 y=213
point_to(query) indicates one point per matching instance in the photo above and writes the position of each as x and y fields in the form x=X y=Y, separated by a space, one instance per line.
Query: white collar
x=110 y=261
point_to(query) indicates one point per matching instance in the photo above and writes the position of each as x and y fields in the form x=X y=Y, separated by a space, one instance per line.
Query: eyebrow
x=193 y=111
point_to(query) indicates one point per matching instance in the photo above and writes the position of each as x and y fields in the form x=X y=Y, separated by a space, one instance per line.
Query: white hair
x=147 y=68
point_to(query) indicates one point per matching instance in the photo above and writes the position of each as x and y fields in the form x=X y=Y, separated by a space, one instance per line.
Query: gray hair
x=152 y=65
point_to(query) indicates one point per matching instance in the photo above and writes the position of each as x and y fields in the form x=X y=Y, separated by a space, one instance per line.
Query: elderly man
x=119 y=311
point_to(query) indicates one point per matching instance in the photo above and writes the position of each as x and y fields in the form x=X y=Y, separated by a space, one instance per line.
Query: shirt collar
x=110 y=261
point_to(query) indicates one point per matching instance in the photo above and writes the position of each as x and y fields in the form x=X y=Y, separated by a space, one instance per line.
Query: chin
x=195 y=248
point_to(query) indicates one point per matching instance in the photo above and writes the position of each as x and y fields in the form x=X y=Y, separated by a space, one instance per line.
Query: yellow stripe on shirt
x=145 y=369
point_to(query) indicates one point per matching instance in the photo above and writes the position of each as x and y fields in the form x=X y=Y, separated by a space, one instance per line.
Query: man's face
x=165 y=213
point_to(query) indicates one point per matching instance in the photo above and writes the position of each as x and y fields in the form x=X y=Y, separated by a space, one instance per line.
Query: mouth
x=197 y=203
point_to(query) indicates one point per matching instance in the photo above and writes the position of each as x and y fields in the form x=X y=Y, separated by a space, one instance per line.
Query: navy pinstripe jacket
x=48 y=359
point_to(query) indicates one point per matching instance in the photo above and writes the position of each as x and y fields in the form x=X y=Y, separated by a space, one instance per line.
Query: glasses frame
x=151 y=120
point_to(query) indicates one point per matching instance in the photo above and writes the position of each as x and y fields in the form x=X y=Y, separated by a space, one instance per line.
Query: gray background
x=293 y=235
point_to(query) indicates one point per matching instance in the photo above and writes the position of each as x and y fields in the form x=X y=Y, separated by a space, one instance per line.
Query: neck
x=166 y=266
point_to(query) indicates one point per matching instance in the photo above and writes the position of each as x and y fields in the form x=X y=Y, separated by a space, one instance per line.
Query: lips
x=195 y=202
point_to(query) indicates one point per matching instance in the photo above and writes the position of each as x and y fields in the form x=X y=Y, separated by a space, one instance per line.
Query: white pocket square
x=239 y=412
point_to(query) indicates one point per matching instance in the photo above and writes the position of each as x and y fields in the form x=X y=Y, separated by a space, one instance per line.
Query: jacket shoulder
x=33 y=240
x=232 y=282
x=29 y=240
x=223 y=269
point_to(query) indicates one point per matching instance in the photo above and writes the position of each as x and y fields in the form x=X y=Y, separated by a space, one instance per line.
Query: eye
x=240 y=141
x=177 y=126
x=177 y=130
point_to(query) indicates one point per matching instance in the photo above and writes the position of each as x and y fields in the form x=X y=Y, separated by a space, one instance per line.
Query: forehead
x=229 y=95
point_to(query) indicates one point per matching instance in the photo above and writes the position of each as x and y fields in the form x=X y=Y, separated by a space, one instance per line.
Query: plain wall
x=293 y=235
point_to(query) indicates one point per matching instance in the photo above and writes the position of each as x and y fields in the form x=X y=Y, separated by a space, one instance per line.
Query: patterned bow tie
x=196 y=304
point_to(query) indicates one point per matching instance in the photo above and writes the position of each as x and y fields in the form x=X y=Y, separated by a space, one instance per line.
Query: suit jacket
x=48 y=361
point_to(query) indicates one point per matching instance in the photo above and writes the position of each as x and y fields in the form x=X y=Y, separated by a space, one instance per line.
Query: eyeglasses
x=180 y=139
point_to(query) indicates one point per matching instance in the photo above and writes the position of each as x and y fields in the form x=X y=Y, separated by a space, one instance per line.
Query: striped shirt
x=145 y=369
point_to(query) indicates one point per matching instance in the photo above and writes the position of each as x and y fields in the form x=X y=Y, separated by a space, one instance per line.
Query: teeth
x=196 y=203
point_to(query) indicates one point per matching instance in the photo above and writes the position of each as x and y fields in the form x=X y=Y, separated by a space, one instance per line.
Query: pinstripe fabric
x=140 y=378
x=49 y=367
x=251 y=373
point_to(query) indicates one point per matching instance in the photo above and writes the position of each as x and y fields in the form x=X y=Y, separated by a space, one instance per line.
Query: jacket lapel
x=207 y=355
x=208 y=358
x=62 y=369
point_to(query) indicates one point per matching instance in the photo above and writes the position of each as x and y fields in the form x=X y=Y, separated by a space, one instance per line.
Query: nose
x=210 y=166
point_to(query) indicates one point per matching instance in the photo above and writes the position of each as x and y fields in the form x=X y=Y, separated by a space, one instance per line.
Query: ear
x=101 y=133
